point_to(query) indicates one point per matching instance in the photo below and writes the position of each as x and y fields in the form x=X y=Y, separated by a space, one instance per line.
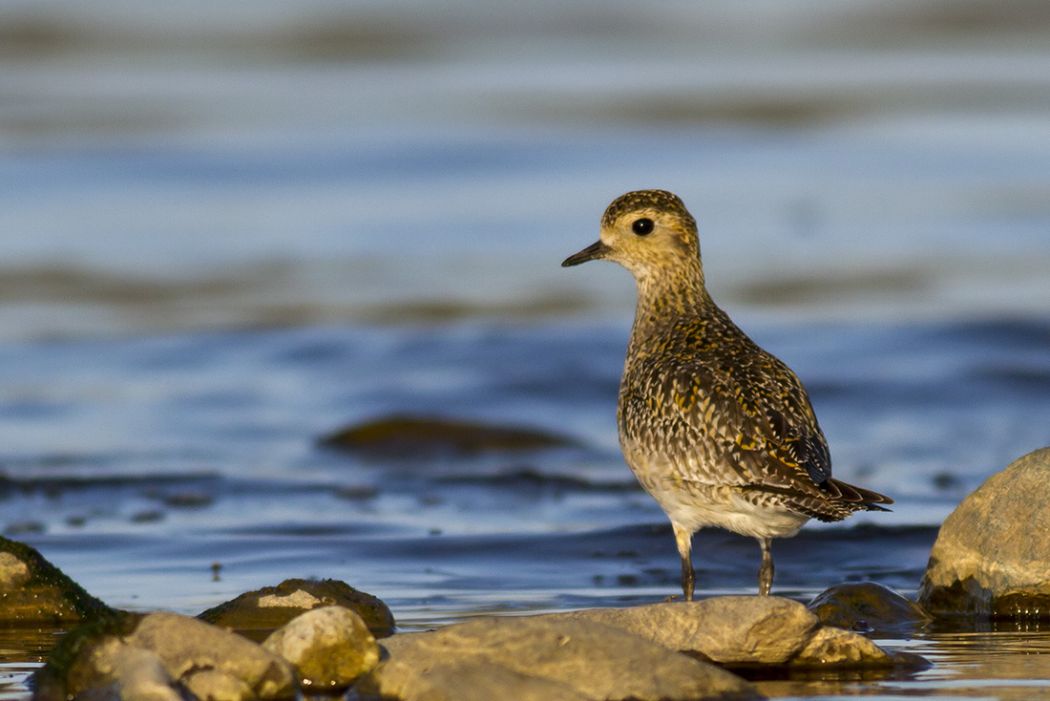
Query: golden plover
x=717 y=430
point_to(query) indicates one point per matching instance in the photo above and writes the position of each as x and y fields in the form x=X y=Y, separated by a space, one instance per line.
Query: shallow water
x=227 y=232
x=181 y=451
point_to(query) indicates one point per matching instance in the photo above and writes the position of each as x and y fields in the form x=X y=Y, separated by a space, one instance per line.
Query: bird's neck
x=666 y=296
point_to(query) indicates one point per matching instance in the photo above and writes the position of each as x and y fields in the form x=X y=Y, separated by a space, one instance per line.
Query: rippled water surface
x=228 y=232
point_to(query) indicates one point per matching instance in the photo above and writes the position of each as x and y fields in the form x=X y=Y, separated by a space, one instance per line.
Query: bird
x=717 y=430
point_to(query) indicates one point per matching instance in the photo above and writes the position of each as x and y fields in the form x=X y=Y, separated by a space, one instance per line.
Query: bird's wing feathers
x=753 y=411
x=768 y=421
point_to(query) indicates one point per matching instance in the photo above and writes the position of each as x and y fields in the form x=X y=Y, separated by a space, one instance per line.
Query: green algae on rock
x=992 y=554
x=401 y=436
x=32 y=590
x=867 y=607
x=270 y=608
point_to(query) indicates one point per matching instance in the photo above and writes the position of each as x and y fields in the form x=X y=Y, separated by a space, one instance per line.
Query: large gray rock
x=330 y=647
x=32 y=590
x=992 y=555
x=270 y=608
x=745 y=631
x=544 y=657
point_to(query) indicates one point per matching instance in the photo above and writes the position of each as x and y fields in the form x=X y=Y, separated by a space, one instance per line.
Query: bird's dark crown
x=658 y=200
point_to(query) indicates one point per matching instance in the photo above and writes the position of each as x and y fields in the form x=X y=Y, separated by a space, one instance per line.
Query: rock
x=85 y=662
x=400 y=436
x=469 y=681
x=992 y=555
x=146 y=657
x=867 y=607
x=726 y=629
x=744 y=632
x=544 y=654
x=835 y=647
x=187 y=645
x=13 y=572
x=216 y=685
x=32 y=590
x=123 y=672
x=272 y=607
x=330 y=647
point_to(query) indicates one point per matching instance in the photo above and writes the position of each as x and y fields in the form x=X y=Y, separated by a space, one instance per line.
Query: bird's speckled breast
x=682 y=424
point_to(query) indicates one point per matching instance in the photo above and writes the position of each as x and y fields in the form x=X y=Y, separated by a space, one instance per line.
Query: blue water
x=228 y=232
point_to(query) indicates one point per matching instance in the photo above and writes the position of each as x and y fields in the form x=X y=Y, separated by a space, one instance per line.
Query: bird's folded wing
x=754 y=418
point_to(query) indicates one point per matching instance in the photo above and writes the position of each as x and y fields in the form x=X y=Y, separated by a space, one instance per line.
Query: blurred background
x=229 y=228
x=215 y=165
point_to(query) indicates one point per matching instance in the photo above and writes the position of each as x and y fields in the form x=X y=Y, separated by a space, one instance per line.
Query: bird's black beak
x=594 y=251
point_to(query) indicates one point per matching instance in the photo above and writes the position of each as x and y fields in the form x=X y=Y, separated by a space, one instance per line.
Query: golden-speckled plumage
x=719 y=431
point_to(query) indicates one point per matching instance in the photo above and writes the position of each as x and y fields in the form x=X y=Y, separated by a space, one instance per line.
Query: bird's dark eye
x=643 y=226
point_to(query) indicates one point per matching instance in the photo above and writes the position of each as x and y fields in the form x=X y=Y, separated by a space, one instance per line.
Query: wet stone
x=330 y=647
x=126 y=673
x=88 y=660
x=270 y=608
x=746 y=632
x=13 y=572
x=835 y=647
x=32 y=590
x=726 y=629
x=399 y=436
x=467 y=681
x=992 y=554
x=152 y=656
x=1022 y=605
x=868 y=607
x=538 y=655
x=186 y=645
x=216 y=685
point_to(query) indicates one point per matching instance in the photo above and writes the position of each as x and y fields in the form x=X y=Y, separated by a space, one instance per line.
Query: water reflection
x=1003 y=660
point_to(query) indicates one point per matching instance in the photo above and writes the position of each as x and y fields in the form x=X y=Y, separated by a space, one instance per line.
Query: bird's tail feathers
x=862 y=498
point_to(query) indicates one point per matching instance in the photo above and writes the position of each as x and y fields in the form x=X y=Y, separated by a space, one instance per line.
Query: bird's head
x=647 y=232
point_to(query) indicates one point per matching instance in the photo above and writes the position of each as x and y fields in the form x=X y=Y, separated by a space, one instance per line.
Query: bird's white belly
x=733 y=514
x=694 y=504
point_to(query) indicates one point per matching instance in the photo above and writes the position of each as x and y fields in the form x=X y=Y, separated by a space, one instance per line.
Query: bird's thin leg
x=765 y=573
x=684 y=540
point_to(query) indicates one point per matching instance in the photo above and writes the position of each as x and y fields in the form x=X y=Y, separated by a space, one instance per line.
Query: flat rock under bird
x=717 y=430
